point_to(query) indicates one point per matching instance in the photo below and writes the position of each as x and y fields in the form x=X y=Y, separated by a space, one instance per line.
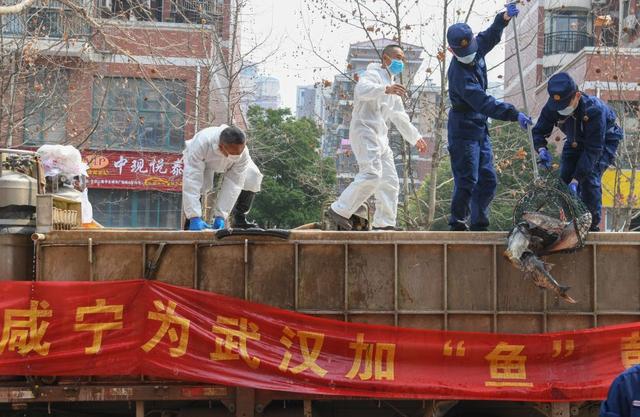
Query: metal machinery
x=19 y=183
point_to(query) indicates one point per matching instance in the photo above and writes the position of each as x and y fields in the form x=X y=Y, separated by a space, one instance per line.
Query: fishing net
x=550 y=196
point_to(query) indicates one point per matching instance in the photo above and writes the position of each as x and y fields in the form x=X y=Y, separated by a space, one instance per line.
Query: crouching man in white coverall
x=219 y=149
x=377 y=100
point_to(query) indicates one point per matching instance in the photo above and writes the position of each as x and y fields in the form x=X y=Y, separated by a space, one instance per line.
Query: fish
x=571 y=237
x=538 y=271
x=542 y=221
x=517 y=244
x=545 y=230
x=533 y=237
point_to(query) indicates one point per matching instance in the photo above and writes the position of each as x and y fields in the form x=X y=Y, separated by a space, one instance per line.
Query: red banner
x=150 y=328
x=134 y=170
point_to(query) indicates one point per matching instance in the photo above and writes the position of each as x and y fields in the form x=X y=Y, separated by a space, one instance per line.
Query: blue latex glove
x=512 y=9
x=524 y=120
x=197 y=223
x=544 y=159
x=573 y=188
x=218 y=223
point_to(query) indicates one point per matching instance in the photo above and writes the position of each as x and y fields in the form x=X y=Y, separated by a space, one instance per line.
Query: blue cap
x=461 y=39
x=562 y=89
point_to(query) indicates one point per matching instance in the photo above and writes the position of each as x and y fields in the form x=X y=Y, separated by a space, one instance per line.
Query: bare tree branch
x=16 y=8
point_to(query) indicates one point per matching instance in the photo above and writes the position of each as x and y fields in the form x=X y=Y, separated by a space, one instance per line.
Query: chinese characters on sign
x=507 y=366
x=135 y=170
x=309 y=354
x=98 y=328
x=234 y=344
x=377 y=357
x=170 y=321
x=23 y=331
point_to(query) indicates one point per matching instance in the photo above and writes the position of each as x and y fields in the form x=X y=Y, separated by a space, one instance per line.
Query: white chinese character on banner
x=157 y=166
x=176 y=167
x=137 y=165
x=120 y=163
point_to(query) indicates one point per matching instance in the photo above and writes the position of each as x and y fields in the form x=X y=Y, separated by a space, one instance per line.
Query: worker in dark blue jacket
x=470 y=149
x=623 y=399
x=592 y=138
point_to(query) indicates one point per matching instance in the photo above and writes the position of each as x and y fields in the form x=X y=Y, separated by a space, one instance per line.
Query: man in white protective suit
x=220 y=149
x=377 y=100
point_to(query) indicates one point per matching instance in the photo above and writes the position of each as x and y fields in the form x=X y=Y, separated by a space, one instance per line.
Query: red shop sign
x=134 y=170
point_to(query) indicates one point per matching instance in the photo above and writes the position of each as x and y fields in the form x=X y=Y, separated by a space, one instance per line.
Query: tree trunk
x=435 y=159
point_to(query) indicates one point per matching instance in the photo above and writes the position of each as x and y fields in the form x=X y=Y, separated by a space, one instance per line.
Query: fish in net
x=547 y=219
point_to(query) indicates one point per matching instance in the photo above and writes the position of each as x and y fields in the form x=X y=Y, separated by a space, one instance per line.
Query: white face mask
x=567 y=111
x=234 y=158
x=467 y=59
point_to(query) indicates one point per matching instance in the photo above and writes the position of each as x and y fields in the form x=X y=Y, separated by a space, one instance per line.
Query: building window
x=45 y=107
x=549 y=71
x=133 y=113
x=567 y=31
x=140 y=209
x=567 y=21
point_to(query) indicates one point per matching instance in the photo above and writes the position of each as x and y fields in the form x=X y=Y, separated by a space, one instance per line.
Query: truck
x=424 y=280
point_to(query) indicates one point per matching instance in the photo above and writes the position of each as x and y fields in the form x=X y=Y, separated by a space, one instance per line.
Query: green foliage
x=298 y=182
x=512 y=159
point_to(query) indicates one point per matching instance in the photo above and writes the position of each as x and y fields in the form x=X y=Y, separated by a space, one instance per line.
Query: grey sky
x=287 y=22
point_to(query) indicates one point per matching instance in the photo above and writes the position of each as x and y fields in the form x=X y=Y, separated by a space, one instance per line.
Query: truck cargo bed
x=432 y=280
x=435 y=280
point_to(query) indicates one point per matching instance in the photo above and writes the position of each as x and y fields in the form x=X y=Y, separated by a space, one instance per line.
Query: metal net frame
x=551 y=196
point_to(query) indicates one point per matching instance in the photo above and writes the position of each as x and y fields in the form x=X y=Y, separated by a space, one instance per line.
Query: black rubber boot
x=479 y=228
x=459 y=227
x=243 y=205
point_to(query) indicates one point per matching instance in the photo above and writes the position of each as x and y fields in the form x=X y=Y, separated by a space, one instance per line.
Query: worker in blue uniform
x=470 y=148
x=592 y=138
x=623 y=399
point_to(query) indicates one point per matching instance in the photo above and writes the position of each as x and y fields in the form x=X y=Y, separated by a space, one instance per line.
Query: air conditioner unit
x=599 y=2
x=105 y=5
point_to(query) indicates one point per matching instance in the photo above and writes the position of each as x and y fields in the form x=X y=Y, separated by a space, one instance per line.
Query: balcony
x=196 y=11
x=568 y=42
x=149 y=13
x=46 y=22
x=199 y=12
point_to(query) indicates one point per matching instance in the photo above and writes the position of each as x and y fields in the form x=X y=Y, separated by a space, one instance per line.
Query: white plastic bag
x=61 y=160
x=66 y=160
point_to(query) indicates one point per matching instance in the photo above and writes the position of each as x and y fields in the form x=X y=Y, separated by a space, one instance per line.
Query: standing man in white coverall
x=377 y=100
x=219 y=149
